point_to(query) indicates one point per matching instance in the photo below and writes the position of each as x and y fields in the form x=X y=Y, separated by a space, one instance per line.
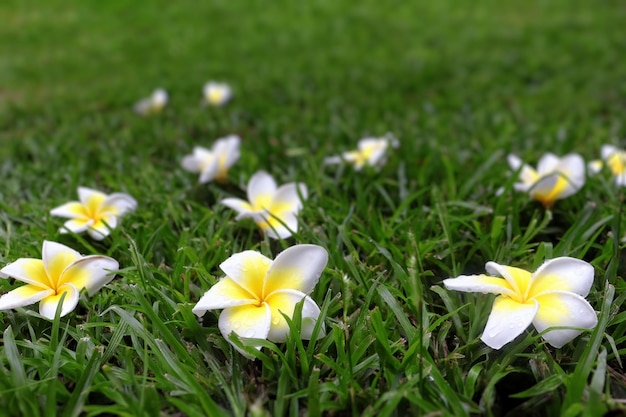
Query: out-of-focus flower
x=274 y=209
x=153 y=104
x=553 y=296
x=370 y=152
x=555 y=178
x=95 y=212
x=216 y=94
x=615 y=159
x=60 y=271
x=213 y=164
x=257 y=291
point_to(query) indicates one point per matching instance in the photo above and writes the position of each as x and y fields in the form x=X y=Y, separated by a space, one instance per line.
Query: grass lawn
x=461 y=84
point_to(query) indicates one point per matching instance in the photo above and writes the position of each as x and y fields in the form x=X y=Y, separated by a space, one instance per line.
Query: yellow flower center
x=617 y=162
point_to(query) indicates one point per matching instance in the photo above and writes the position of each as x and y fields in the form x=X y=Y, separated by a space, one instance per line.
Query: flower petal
x=28 y=270
x=595 y=166
x=298 y=268
x=243 y=208
x=288 y=197
x=76 y=226
x=246 y=321
x=227 y=150
x=547 y=164
x=518 y=279
x=90 y=198
x=284 y=301
x=102 y=229
x=225 y=293
x=119 y=203
x=561 y=308
x=91 y=272
x=260 y=186
x=563 y=274
x=48 y=306
x=527 y=174
x=607 y=150
x=573 y=167
x=479 y=283
x=278 y=226
x=22 y=296
x=71 y=210
x=248 y=269
x=190 y=163
x=508 y=319
x=56 y=257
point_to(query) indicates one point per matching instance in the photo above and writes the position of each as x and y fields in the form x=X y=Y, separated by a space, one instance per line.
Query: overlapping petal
x=298 y=268
x=48 y=306
x=70 y=210
x=248 y=269
x=479 y=283
x=249 y=321
x=225 y=293
x=284 y=301
x=261 y=189
x=508 y=319
x=23 y=296
x=90 y=272
x=28 y=270
x=563 y=274
x=56 y=257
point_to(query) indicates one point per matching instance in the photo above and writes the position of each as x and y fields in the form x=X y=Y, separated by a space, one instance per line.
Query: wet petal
x=518 y=279
x=298 y=268
x=70 y=210
x=28 y=270
x=23 y=296
x=48 y=306
x=563 y=274
x=225 y=293
x=479 y=283
x=508 y=319
x=284 y=301
x=260 y=186
x=91 y=272
x=248 y=269
x=560 y=308
x=246 y=321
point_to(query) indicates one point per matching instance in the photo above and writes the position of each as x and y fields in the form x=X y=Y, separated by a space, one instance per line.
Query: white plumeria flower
x=153 y=104
x=257 y=291
x=60 y=271
x=370 y=152
x=95 y=212
x=214 y=163
x=216 y=94
x=553 y=296
x=274 y=209
x=615 y=159
x=555 y=178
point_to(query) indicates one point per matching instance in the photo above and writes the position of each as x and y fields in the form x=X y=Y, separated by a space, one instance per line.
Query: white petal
x=563 y=274
x=249 y=270
x=595 y=166
x=224 y=294
x=514 y=162
x=228 y=149
x=573 y=166
x=85 y=194
x=23 y=296
x=28 y=270
x=288 y=197
x=261 y=184
x=56 y=257
x=121 y=202
x=298 y=268
x=508 y=319
x=545 y=185
x=91 y=272
x=620 y=180
x=71 y=210
x=246 y=321
x=190 y=163
x=560 y=308
x=240 y=206
x=76 y=226
x=607 y=150
x=48 y=306
x=506 y=273
x=284 y=301
x=279 y=227
x=479 y=283
x=209 y=172
x=547 y=164
x=101 y=230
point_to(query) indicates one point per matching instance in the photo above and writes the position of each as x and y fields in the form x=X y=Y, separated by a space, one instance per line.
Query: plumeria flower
x=216 y=94
x=370 y=152
x=555 y=178
x=615 y=159
x=60 y=271
x=274 y=209
x=213 y=164
x=553 y=296
x=153 y=104
x=257 y=291
x=95 y=212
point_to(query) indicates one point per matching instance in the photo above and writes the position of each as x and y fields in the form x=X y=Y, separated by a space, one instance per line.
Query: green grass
x=461 y=84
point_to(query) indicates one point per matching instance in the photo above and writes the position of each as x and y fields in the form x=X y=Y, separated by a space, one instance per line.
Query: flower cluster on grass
x=214 y=163
x=153 y=104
